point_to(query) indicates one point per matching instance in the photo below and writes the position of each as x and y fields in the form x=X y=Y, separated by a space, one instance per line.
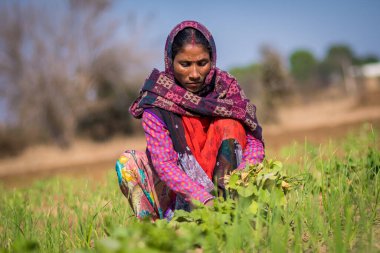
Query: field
x=332 y=206
x=68 y=200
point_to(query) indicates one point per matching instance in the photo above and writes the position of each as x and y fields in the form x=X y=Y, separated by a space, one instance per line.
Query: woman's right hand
x=210 y=203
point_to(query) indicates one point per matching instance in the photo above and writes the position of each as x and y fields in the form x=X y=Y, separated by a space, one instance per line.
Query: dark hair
x=187 y=36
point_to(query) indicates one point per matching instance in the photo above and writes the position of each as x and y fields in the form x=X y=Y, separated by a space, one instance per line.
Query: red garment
x=205 y=135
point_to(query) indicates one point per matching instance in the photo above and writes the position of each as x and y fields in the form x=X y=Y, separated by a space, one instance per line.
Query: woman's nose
x=194 y=74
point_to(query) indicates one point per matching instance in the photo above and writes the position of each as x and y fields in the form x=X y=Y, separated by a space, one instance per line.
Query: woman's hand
x=210 y=203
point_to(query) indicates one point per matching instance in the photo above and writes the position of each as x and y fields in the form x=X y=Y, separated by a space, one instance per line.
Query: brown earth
x=316 y=122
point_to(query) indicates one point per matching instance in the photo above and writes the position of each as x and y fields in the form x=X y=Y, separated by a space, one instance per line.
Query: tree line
x=66 y=73
x=273 y=80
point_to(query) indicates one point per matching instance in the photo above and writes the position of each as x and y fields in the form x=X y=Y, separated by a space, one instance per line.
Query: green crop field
x=307 y=199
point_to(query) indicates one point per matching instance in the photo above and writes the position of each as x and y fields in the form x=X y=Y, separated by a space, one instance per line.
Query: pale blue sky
x=241 y=27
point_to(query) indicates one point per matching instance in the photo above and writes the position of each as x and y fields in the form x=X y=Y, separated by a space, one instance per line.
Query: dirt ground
x=317 y=122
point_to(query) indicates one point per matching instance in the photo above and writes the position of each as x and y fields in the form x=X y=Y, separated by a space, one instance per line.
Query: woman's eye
x=202 y=63
x=184 y=64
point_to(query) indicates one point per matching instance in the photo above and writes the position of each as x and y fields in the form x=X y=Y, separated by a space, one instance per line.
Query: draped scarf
x=220 y=97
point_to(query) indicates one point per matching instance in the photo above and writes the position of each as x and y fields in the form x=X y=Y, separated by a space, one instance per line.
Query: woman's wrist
x=209 y=201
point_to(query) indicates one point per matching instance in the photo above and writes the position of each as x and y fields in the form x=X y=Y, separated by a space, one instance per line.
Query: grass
x=58 y=215
x=335 y=208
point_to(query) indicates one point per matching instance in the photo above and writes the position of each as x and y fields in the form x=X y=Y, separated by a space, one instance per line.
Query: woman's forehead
x=193 y=52
x=181 y=26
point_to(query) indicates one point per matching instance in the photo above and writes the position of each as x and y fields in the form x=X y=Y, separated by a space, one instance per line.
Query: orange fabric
x=204 y=137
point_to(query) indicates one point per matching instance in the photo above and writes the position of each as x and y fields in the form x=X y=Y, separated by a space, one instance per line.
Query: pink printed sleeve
x=164 y=159
x=253 y=152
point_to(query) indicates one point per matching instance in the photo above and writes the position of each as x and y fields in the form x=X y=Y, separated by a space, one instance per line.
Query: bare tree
x=274 y=81
x=51 y=59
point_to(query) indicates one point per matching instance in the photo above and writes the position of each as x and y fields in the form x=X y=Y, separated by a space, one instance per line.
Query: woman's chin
x=194 y=89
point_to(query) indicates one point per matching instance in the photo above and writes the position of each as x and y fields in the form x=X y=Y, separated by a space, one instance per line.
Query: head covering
x=169 y=42
x=221 y=96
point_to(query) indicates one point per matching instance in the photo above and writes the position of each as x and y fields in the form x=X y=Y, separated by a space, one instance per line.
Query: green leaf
x=264 y=196
x=278 y=197
x=277 y=164
x=270 y=176
x=233 y=181
x=182 y=216
x=253 y=207
x=246 y=191
x=269 y=184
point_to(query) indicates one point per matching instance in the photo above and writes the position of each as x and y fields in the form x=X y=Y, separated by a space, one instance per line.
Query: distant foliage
x=271 y=81
x=303 y=66
x=249 y=78
x=275 y=83
x=63 y=62
x=265 y=83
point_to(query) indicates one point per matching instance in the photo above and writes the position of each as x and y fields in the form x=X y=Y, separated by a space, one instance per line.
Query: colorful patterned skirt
x=149 y=197
x=146 y=193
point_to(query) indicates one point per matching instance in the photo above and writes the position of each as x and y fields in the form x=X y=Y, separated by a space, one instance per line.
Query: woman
x=199 y=126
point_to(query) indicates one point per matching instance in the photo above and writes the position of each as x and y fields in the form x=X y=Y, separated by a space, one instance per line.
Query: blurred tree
x=112 y=93
x=274 y=81
x=249 y=77
x=59 y=59
x=324 y=73
x=45 y=61
x=338 y=54
x=303 y=67
x=366 y=59
x=339 y=59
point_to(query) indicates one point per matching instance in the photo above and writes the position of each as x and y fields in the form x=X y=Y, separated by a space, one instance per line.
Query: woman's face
x=191 y=66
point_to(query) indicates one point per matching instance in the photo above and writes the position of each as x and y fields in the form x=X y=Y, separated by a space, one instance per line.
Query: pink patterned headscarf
x=222 y=96
x=169 y=43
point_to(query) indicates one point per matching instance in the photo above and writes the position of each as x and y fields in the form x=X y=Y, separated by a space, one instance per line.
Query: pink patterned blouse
x=164 y=159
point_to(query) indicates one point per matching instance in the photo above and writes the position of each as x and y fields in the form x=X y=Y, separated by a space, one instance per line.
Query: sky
x=240 y=28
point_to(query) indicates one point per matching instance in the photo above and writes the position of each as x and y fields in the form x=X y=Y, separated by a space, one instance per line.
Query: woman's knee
x=126 y=166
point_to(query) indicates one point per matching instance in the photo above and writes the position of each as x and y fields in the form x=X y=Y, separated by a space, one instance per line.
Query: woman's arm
x=165 y=161
x=253 y=152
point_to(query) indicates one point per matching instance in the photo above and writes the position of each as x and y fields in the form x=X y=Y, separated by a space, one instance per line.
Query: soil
x=316 y=122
